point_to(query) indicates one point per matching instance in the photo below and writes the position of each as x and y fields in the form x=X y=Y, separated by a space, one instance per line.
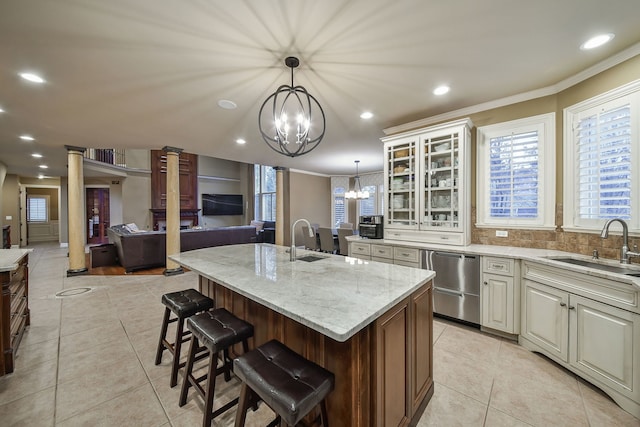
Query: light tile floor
x=87 y=360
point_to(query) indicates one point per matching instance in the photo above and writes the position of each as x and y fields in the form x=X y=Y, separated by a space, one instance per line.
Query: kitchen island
x=369 y=323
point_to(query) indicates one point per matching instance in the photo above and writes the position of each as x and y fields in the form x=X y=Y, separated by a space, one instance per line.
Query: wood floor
x=118 y=270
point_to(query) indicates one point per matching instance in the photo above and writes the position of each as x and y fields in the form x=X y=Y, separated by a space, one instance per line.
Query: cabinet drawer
x=382 y=260
x=358 y=249
x=380 y=251
x=406 y=255
x=407 y=264
x=498 y=265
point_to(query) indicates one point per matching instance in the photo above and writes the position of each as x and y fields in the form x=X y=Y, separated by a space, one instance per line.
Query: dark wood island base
x=384 y=373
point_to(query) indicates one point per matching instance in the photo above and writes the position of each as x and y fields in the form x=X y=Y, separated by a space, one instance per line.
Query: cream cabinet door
x=604 y=344
x=497 y=302
x=544 y=318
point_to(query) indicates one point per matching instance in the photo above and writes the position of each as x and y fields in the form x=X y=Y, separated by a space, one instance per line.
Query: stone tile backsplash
x=582 y=243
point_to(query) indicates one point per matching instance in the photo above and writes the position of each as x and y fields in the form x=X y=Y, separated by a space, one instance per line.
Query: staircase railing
x=111 y=156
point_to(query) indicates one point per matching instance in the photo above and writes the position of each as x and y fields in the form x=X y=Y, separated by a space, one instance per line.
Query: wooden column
x=77 y=258
x=173 y=209
x=279 y=206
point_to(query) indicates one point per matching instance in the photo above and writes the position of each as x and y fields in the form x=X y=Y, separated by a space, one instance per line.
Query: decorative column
x=77 y=257
x=279 y=205
x=173 y=209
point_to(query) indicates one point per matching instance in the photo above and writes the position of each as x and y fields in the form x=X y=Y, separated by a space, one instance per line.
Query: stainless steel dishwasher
x=456 y=287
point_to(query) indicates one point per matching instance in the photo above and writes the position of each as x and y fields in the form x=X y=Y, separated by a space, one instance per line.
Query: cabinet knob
x=485 y=283
x=571 y=307
x=563 y=304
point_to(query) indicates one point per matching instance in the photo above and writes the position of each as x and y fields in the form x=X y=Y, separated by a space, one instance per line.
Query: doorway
x=97 y=207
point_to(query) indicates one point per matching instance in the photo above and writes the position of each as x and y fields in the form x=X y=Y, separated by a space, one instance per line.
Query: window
x=339 y=185
x=264 y=193
x=37 y=208
x=373 y=184
x=601 y=153
x=516 y=173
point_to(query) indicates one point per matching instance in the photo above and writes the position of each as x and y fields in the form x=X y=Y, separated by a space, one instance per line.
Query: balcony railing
x=110 y=156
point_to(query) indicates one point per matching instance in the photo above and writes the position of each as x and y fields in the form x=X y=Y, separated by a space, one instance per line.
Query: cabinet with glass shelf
x=427 y=192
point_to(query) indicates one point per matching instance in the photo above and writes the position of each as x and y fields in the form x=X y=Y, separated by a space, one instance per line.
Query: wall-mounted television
x=222 y=204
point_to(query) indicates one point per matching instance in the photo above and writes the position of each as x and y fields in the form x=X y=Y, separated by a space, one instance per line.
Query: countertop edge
x=9 y=258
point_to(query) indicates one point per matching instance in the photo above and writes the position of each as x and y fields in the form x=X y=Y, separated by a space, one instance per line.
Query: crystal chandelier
x=357 y=192
x=291 y=120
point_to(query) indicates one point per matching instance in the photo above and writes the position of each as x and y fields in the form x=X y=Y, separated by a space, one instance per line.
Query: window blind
x=37 y=211
x=513 y=176
x=604 y=164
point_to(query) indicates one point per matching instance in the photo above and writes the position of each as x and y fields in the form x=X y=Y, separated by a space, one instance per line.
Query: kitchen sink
x=311 y=258
x=601 y=265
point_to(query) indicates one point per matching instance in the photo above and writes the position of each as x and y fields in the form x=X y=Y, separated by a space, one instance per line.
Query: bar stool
x=287 y=382
x=217 y=330
x=182 y=304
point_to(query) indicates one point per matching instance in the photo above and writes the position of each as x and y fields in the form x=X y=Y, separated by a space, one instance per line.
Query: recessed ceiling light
x=366 y=115
x=37 y=155
x=241 y=141
x=40 y=176
x=597 y=41
x=227 y=105
x=441 y=90
x=33 y=78
x=27 y=138
x=44 y=167
x=1 y=110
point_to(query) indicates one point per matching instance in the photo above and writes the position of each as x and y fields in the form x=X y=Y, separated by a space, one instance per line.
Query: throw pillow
x=257 y=224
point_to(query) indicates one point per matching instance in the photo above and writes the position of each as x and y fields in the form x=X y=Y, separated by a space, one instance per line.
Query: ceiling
x=149 y=73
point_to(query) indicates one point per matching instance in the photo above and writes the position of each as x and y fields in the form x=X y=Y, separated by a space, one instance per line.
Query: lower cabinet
x=386 y=253
x=599 y=342
x=500 y=294
x=404 y=359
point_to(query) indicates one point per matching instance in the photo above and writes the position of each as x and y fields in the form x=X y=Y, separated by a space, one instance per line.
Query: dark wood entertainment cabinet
x=188 y=172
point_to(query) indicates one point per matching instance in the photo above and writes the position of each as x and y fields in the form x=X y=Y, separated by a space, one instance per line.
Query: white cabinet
x=598 y=341
x=386 y=253
x=427 y=188
x=500 y=294
x=545 y=321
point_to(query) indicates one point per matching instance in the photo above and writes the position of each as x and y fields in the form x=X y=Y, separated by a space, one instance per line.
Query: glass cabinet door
x=401 y=185
x=440 y=202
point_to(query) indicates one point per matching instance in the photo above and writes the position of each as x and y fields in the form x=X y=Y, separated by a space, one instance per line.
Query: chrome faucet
x=625 y=253
x=292 y=251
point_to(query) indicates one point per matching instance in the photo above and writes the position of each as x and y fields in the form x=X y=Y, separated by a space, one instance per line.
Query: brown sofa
x=137 y=251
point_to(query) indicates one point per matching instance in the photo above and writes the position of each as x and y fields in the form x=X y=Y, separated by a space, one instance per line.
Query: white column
x=173 y=209
x=77 y=257
x=280 y=206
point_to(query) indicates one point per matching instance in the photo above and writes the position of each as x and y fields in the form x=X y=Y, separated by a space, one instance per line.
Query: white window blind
x=516 y=173
x=604 y=164
x=37 y=209
x=339 y=185
x=513 y=176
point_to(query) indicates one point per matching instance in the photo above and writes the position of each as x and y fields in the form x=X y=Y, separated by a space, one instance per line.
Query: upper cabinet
x=427 y=188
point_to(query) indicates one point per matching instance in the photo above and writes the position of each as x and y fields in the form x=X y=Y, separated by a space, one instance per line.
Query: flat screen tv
x=222 y=204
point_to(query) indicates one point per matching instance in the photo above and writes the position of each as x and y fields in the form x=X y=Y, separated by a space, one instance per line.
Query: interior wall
x=309 y=198
x=11 y=206
x=136 y=199
x=3 y=174
x=583 y=243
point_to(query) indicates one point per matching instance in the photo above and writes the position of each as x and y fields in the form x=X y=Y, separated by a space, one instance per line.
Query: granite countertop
x=9 y=258
x=543 y=256
x=336 y=296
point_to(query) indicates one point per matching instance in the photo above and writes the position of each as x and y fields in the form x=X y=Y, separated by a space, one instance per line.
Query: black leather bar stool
x=182 y=304
x=217 y=330
x=287 y=382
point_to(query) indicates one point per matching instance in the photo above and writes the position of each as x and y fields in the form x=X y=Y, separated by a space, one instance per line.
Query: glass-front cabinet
x=427 y=184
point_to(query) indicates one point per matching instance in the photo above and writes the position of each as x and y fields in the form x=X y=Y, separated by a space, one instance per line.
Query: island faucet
x=625 y=253
x=292 y=251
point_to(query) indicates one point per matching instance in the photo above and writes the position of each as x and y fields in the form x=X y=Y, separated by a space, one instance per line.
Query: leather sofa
x=147 y=249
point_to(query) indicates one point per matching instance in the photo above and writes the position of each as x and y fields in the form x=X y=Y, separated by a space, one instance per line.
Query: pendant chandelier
x=291 y=120
x=357 y=192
